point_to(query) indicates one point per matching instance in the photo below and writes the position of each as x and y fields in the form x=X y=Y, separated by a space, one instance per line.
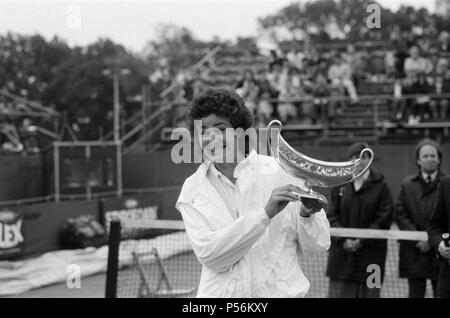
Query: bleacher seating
x=230 y=63
x=367 y=120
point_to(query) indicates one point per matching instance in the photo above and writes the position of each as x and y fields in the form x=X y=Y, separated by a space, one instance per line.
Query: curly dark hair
x=222 y=102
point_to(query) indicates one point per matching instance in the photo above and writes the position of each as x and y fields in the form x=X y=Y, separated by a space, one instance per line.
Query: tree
x=326 y=20
x=175 y=48
x=173 y=51
x=28 y=63
x=81 y=89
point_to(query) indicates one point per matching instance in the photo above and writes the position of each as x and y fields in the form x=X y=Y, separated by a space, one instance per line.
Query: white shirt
x=228 y=191
x=414 y=66
x=339 y=71
x=249 y=255
x=433 y=175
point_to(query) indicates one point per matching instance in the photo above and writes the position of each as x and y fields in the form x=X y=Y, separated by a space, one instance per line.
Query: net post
x=113 y=259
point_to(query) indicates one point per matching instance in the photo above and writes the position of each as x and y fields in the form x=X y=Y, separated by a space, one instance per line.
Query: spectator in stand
x=289 y=92
x=444 y=41
x=395 y=33
x=188 y=87
x=414 y=207
x=420 y=106
x=442 y=65
x=364 y=65
x=314 y=63
x=354 y=60
x=180 y=103
x=296 y=57
x=325 y=110
x=399 y=104
x=193 y=86
x=340 y=75
x=265 y=106
x=274 y=75
x=415 y=64
x=304 y=88
x=440 y=106
x=274 y=58
x=350 y=56
x=365 y=203
x=274 y=78
x=430 y=63
x=197 y=87
x=389 y=61
x=377 y=66
x=248 y=89
x=401 y=54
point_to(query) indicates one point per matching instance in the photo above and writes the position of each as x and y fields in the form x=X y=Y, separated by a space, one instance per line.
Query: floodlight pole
x=115 y=73
x=116 y=107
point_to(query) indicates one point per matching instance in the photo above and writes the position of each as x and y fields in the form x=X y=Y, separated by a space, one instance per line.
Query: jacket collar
x=240 y=167
x=418 y=176
x=373 y=178
x=428 y=188
x=242 y=172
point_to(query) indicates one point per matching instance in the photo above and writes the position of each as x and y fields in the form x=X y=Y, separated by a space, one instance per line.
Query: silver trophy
x=314 y=173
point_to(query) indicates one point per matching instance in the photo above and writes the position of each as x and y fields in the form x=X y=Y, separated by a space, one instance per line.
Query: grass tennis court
x=183 y=272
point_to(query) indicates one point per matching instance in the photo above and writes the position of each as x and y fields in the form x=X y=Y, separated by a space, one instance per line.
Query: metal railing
x=144 y=130
x=84 y=196
x=34 y=109
x=191 y=69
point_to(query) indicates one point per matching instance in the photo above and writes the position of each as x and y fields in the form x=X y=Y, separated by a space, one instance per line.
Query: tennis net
x=155 y=259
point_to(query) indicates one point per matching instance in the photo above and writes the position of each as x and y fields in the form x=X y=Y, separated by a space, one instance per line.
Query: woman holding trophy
x=244 y=220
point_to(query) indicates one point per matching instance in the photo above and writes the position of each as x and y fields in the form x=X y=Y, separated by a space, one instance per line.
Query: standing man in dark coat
x=440 y=224
x=365 y=203
x=414 y=207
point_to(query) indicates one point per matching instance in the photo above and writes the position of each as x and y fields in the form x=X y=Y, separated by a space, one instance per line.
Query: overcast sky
x=131 y=22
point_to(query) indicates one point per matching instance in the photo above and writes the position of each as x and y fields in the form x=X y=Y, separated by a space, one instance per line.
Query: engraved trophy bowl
x=314 y=173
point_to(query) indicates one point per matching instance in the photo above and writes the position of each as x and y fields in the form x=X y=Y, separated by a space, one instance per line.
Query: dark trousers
x=444 y=281
x=418 y=287
x=339 y=288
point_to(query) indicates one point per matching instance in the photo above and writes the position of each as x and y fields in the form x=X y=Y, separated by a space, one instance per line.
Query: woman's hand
x=444 y=250
x=279 y=198
x=311 y=206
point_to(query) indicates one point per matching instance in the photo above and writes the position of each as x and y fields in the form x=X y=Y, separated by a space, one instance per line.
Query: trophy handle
x=306 y=188
x=360 y=160
x=272 y=153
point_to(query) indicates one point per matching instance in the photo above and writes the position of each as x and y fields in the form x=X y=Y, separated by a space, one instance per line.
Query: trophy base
x=310 y=194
